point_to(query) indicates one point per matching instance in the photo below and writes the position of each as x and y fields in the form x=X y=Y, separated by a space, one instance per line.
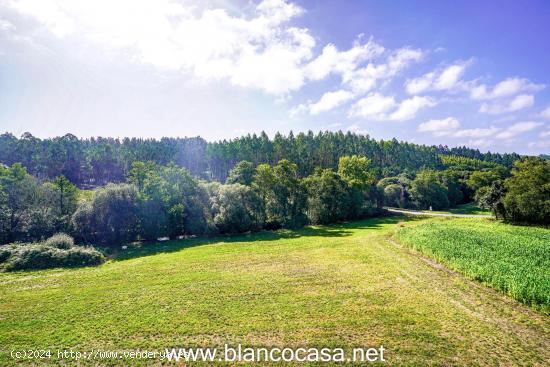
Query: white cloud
x=443 y=79
x=329 y=101
x=410 y=107
x=506 y=88
x=364 y=79
x=516 y=129
x=517 y=103
x=475 y=133
x=545 y=114
x=440 y=127
x=357 y=129
x=480 y=143
x=543 y=144
x=6 y=26
x=298 y=110
x=450 y=127
x=545 y=134
x=373 y=106
x=380 y=107
x=342 y=62
x=260 y=51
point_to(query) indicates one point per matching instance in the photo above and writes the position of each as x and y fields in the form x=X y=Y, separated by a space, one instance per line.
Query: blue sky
x=434 y=72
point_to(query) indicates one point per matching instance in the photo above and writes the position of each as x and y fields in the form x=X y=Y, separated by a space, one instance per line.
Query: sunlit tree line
x=97 y=161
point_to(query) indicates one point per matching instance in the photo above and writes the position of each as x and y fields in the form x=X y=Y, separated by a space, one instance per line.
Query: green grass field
x=336 y=286
x=512 y=259
x=470 y=208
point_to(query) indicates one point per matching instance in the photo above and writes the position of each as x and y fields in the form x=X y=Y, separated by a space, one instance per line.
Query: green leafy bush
x=44 y=256
x=61 y=241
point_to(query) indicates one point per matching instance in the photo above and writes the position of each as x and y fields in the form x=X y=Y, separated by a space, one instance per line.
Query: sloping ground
x=338 y=286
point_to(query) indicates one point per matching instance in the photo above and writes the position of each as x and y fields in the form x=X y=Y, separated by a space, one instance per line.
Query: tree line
x=157 y=200
x=97 y=161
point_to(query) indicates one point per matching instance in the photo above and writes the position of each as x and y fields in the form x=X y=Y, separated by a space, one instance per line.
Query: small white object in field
x=124 y=247
x=431 y=208
x=163 y=239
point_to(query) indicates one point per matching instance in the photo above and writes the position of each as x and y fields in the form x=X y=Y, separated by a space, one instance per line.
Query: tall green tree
x=328 y=197
x=359 y=177
x=426 y=191
x=235 y=207
x=21 y=194
x=283 y=194
x=243 y=173
x=527 y=197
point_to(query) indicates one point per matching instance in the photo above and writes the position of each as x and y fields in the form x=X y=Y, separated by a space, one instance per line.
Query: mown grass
x=336 y=286
x=469 y=208
x=512 y=259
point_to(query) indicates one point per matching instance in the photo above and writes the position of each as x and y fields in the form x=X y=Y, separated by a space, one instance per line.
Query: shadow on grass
x=334 y=230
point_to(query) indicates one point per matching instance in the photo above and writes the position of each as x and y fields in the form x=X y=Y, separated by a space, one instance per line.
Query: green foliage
x=465 y=163
x=452 y=180
x=282 y=193
x=242 y=173
x=64 y=199
x=328 y=197
x=43 y=256
x=98 y=161
x=514 y=260
x=61 y=241
x=426 y=191
x=111 y=217
x=237 y=209
x=356 y=171
x=57 y=251
x=395 y=190
x=169 y=201
x=490 y=197
x=528 y=192
x=394 y=195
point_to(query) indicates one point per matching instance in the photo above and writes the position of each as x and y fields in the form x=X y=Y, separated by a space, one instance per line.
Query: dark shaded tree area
x=98 y=161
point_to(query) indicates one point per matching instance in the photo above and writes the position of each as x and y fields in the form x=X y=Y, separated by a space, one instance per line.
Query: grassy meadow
x=335 y=286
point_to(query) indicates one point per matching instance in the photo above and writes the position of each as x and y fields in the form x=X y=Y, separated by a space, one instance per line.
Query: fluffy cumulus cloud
x=506 y=88
x=260 y=51
x=440 y=127
x=517 y=128
x=447 y=78
x=375 y=105
x=515 y=104
x=450 y=127
x=379 y=107
x=331 y=60
x=329 y=101
x=366 y=78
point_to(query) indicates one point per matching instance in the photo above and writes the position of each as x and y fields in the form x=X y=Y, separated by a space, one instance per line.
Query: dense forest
x=108 y=192
x=97 y=161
